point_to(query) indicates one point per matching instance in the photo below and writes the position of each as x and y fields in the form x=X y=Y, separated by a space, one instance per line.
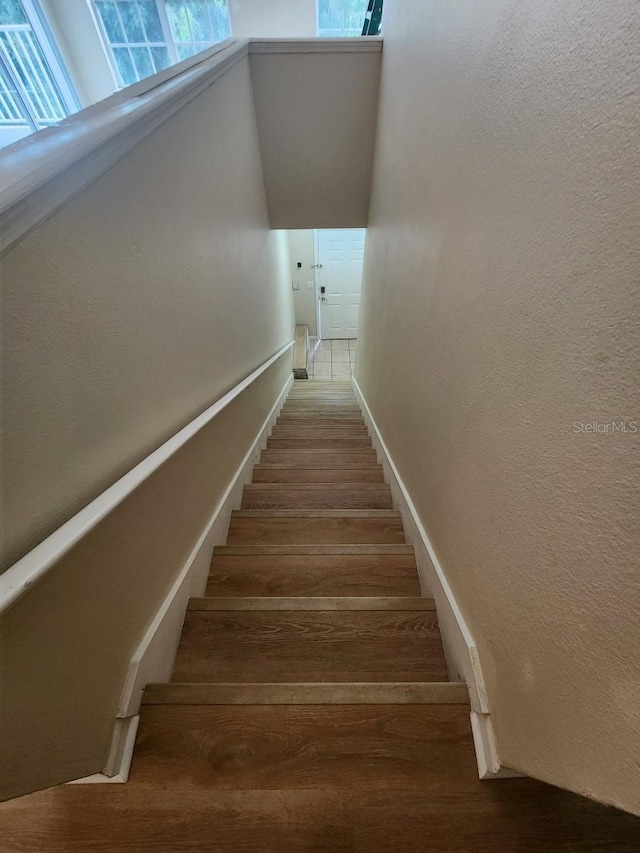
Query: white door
x=339 y=272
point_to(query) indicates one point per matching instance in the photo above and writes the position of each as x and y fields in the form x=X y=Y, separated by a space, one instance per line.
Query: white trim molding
x=369 y=44
x=154 y=658
x=34 y=565
x=463 y=661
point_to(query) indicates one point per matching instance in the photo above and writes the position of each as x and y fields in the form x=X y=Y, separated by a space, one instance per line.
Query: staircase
x=309 y=708
x=315 y=598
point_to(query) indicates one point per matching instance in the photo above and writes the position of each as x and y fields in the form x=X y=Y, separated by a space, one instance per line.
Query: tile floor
x=332 y=359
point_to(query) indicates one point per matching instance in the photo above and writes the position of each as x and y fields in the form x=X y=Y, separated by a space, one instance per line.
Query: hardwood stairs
x=309 y=708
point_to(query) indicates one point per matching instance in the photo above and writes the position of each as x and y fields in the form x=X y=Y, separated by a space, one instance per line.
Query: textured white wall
x=317 y=120
x=301 y=249
x=273 y=18
x=501 y=306
x=134 y=307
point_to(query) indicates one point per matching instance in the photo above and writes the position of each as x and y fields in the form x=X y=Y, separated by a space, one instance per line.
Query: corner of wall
x=463 y=660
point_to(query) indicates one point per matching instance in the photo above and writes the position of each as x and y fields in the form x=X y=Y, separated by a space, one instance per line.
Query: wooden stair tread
x=310 y=645
x=324 y=602
x=309 y=693
x=262 y=747
x=326 y=570
x=168 y=803
x=293 y=549
x=316 y=513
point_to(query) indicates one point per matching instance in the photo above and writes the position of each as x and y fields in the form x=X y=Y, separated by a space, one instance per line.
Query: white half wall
x=317 y=108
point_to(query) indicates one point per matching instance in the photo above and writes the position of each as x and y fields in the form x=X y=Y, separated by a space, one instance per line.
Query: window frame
x=171 y=45
x=54 y=66
x=166 y=33
x=352 y=30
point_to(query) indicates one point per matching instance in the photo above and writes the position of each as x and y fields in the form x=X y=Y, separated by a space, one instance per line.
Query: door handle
x=316 y=266
x=323 y=299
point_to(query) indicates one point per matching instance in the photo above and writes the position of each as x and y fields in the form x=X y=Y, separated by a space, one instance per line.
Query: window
x=197 y=24
x=146 y=36
x=340 y=18
x=135 y=35
x=34 y=89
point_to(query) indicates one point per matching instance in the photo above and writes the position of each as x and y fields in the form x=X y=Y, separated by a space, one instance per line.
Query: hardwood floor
x=309 y=708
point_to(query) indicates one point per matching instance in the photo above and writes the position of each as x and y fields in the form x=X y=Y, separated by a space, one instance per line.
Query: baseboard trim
x=154 y=658
x=463 y=661
x=120 y=755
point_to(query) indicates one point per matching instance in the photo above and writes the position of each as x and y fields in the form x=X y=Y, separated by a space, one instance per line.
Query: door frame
x=316 y=258
x=316 y=261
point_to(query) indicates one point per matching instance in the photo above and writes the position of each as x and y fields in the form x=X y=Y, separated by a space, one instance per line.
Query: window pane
x=11 y=12
x=219 y=14
x=132 y=25
x=199 y=20
x=31 y=95
x=354 y=12
x=151 y=21
x=142 y=61
x=26 y=61
x=125 y=65
x=187 y=50
x=109 y=15
x=329 y=14
x=10 y=107
x=179 y=20
x=160 y=56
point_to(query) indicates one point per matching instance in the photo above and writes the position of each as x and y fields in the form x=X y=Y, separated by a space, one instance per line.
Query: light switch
x=310 y=284
x=295 y=285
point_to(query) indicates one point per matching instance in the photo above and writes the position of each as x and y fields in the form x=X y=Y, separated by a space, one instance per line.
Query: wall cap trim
x=367 y=44
x=31 y=568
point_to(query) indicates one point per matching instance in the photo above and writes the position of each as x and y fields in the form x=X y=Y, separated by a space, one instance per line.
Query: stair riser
x=329 y=393
x=318 y=531
x=318 y=443
x=325 y=499
x=309 y=475
x=340 y=646
x=411 y=748
x=314 y=405
x=305 y=432
x=309 y=403
x=321 y=423
x=308 y=457
x=313 y=575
